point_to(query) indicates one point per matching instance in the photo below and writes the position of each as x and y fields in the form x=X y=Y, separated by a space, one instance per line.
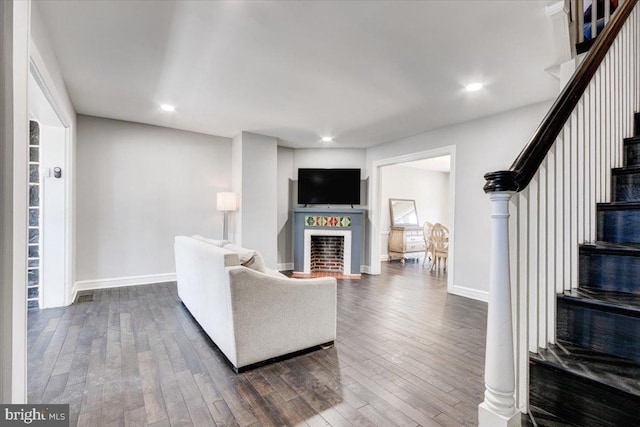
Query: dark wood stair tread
x=626 y=303
x=632 y=140
x=585 y=46
x=626 y=170
x=625 y=249
x=540 y=418
x=616 y=373
x=628 y=205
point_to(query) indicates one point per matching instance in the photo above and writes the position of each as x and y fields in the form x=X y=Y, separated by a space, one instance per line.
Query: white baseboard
x=365 y=269
x=118 y=282
x=470 y=293
x=285 y=266
x=384 y=257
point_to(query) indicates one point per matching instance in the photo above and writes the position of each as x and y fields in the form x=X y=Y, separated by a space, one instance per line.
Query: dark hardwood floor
x=407 y=354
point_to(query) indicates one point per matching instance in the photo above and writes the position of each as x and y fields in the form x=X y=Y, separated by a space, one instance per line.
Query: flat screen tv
x=329 y=186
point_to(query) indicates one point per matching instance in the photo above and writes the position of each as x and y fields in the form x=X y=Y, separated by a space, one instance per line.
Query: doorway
x=426 y=183
x=432 y=162
x=48 y=281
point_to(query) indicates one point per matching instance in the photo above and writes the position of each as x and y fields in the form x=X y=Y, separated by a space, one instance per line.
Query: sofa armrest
x=274 y=316
x=201 y=275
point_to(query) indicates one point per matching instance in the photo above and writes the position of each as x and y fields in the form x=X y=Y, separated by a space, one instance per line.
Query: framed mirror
x=403 y=212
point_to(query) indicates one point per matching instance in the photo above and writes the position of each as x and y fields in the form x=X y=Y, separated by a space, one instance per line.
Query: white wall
x=257 y=157
x=329 y=158
x=138 y=187
x=483 y=145
x=286 y=176
x=430 y=190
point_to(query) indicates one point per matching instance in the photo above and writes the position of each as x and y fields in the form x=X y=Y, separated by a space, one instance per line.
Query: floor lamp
x=226 y=202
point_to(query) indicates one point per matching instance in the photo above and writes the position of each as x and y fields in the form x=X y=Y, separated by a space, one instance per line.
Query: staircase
x=591 y=377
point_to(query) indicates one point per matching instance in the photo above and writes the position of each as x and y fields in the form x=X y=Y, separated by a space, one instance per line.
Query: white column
x=498 y=408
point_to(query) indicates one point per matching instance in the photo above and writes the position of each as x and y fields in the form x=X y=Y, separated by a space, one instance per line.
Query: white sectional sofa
x=252 y=314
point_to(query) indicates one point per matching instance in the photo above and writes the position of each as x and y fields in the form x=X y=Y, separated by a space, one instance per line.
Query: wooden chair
x=426 y=230
x=439 y=245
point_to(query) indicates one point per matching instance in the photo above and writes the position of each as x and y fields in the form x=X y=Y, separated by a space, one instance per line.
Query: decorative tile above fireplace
x=327 y=221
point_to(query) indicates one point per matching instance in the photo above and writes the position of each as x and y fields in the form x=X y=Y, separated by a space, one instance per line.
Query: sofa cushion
x=244 y=254
x=256 y=263
x=248 y=257
x=219 y=243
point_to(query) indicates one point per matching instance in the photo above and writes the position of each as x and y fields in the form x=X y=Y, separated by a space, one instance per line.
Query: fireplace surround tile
x=328 y=222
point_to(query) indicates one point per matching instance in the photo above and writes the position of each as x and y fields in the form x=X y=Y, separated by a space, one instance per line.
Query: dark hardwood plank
x=135 y=417
x=407 y=354
x=153 y=400
x=221 y=413
x=198 y=410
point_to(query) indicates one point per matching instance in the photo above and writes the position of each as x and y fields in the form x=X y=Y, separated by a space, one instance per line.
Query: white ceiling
x=365 y=72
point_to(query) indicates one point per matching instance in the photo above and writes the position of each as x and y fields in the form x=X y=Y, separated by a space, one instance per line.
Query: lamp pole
x=225 y=228
x=226 y=202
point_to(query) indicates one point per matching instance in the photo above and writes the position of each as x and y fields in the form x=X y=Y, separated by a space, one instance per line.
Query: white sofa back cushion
x=248 y=257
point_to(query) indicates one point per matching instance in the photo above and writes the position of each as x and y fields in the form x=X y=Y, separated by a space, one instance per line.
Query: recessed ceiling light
x=167 y=107
x=473 y=87
x=327 y=138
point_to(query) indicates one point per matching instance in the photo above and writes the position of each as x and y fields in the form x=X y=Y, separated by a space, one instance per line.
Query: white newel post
x=498 y=408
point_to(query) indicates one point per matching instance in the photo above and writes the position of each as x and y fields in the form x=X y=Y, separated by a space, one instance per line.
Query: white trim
x=555 y=8
x=117 y=282
x=365 y=269
x=40 y=74
x=470 y=293
x=308 y=232
x=285 y=266
x=375 y=206
x=42 y=77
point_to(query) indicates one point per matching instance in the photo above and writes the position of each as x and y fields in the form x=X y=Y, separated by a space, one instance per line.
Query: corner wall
x=138 y=187
x=255 y=179
x=286 y=176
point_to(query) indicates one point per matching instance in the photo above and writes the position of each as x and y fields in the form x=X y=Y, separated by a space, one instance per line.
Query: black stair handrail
x=524 y=168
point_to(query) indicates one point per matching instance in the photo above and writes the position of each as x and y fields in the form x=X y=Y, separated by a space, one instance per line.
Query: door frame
x=376 y=204
x=45 y=82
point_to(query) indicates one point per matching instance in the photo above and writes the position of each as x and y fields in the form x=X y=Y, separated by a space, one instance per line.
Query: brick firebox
x=327 y=253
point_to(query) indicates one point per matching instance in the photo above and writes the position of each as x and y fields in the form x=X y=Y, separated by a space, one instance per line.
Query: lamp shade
x=227 y=201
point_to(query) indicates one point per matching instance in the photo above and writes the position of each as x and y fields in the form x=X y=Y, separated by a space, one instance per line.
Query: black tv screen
x=329 y=186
